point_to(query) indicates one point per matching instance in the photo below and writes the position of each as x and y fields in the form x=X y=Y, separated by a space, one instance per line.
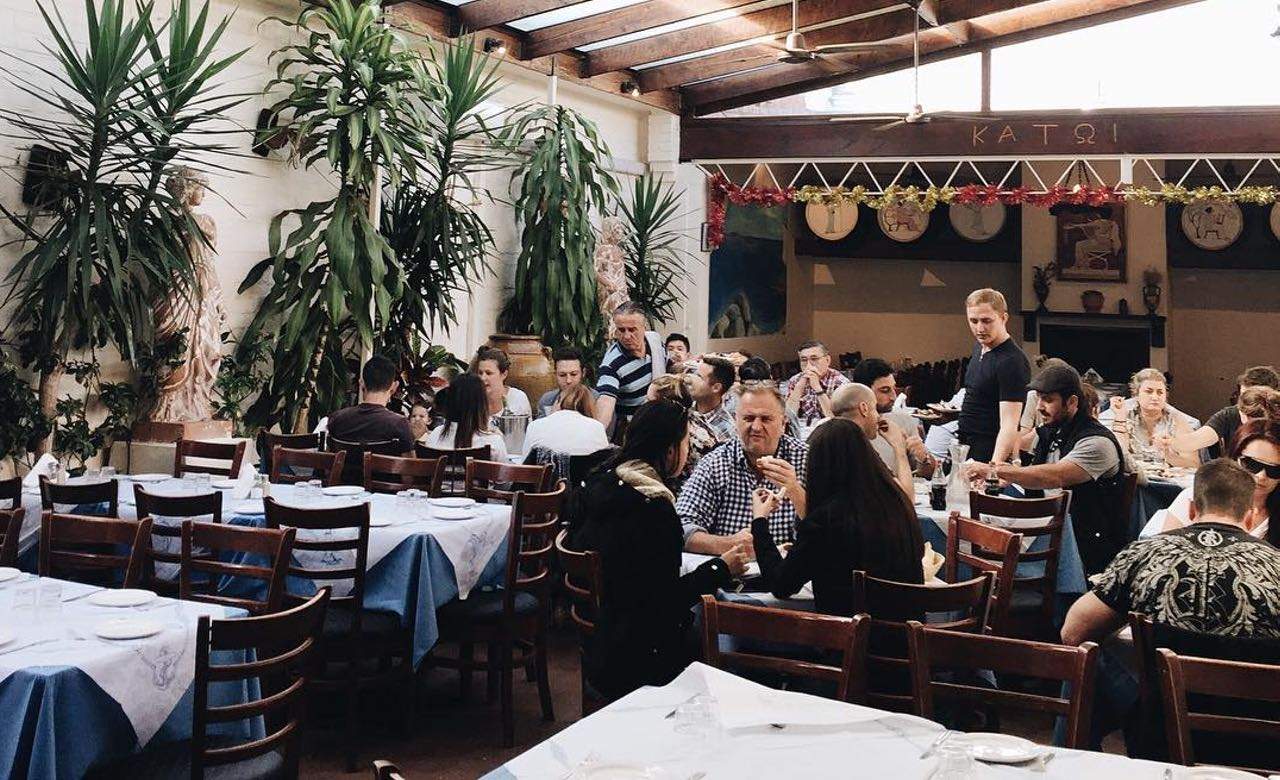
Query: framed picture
x=1091 y=243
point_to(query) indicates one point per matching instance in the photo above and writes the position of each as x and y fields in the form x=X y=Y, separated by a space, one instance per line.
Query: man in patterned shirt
x=808 y=393
x=715 y=503
x=1210 y=577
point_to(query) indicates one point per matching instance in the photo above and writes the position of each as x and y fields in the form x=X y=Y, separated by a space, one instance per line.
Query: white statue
x=611 y=268
x=186 y=393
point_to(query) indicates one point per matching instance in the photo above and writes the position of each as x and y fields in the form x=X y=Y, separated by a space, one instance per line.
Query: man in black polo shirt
x=995 y=383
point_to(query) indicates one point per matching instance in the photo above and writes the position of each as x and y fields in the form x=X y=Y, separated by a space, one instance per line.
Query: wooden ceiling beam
x=621 y=21
x=775 y=21
x=438 y=22
x=980 y=26
x=481 y=14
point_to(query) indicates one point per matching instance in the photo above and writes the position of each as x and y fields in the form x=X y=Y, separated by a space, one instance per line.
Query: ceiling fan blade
x=857 y=47
x=891 y=125
x=830 y=65
x=963 y=117
x=927 y=10
x=866 y=118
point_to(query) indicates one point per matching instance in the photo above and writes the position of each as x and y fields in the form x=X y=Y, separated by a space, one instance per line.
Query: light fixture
x=630 y=88
x=495 y=46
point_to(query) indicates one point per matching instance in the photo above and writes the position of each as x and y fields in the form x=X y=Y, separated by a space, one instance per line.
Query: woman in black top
x=859 y=519
x=626 y=512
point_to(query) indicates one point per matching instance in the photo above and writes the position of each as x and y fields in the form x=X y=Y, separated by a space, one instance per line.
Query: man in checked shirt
x=715 y=502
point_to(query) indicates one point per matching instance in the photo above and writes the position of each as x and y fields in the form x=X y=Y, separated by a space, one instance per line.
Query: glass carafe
x=957 y=485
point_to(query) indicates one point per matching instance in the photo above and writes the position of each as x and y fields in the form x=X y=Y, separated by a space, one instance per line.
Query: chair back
x=584 y=582
x=72 y=546
x=165 y=544
x=981 y=547
x=330 y=546
x=353 y=468
x=846 y=636
x=11 y=493
x=391 y=474
x=231 y=454
x=965 y=607
x=1193 y=691
x=1053 y=512
x=932 y=649
x=453 y=476
x=10 y=530
x=91 y=494
x=294 y=441
x=324 y=466
x=281 y=649
x=200 y=576
x=535 y=521
x=483 y=475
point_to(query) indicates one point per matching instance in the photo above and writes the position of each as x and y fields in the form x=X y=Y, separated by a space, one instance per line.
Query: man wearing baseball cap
x=1075 y=452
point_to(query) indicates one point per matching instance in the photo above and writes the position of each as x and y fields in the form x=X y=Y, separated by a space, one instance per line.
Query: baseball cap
x=1063 y=380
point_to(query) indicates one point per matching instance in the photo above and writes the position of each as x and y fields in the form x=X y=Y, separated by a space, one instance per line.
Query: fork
x=937 y=743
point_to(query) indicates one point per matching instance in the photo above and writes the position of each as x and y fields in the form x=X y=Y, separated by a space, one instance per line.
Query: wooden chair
x=11 y=493
x=512 y=621
x=385 y=770
x=10 y=531
x=891 y=605
x=389 y=474
x=267 y=442
x=453 y=477
x=360 y=649
x=249 y=546
x=933 y=649
x=91 y=494
x=324 y=466
x=846 y=636
x=989 y=549
x=73 y=545
x=353 y=469
x=155 y=506
x=482 y=475
x=232 y=454
x=583 y=581
x=1191 y=687
x=1034 y=599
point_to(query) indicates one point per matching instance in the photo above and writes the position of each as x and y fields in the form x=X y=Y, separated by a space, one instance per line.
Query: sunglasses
x=1253 y=466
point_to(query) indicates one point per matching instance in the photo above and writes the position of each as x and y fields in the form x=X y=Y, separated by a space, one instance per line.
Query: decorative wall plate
x=1212 y=224
x=976 y=222
x=1275 y=220
x=903 y=222
x=832 y=221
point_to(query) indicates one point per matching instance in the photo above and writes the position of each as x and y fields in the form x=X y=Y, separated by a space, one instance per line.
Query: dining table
x=87 y=678
x=421 y=555
x=709 y=724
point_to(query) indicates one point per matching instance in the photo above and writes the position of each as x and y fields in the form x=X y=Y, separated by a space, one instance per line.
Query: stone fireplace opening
x=1114 y=352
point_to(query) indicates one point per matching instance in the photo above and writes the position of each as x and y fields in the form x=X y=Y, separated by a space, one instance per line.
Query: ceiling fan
x=795 y=51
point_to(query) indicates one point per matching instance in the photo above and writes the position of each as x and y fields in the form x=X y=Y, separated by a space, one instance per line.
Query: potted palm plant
x=656 y=263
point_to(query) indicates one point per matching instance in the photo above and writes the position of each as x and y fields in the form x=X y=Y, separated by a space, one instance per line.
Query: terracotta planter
x=531 y=367
x=1092 y=301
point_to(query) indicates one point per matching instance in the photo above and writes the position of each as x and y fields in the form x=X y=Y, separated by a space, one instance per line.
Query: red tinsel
x=722 y=189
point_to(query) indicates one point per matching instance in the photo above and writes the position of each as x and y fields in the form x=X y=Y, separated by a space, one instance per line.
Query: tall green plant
x=22 y=424
x=563 y=181
x=132 y=101
x=656 y=263
x=355 y=104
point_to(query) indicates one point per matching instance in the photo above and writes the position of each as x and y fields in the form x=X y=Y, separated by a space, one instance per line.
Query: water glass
x=204 y=482
x=189 y=481
x=955 y=762
x=697 y=717
x=405 y=503
x=108 y=472
x=92 y=474
x=50 y=599
x=24 y=601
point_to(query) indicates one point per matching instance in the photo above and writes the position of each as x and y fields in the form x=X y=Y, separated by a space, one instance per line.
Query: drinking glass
x=50 y=599
x=189 y=481
x=24 y=601
x=405 y=504
x=305 y=492
x=108 y=472
x=697 y=717
x=955 y=762
x=92 y=474
x=204 y=482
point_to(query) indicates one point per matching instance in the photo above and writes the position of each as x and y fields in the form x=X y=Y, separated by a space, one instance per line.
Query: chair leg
x=466 y=662
x=492 y=672
x=350 y=735
x=508 y=710
x=544 y=681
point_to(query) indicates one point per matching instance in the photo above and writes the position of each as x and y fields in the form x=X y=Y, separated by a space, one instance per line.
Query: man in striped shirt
x=629 y=366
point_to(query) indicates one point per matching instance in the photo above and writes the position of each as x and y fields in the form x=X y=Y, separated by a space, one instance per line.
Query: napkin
x=322 y=426
x=740 y=703
x=931 y=562
x=44 y=466
x=244 y=480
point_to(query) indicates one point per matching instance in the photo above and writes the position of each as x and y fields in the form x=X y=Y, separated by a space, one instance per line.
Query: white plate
x=379 y=522
x=148 y=477
x=451 y=513
x=225 y=484
x=252 y=507
x=452 y=503
x=127 y=628
x=7 y=573
x=619 y=771
x=127 y=597
x=342 y=490
x=999 y=748
x=1215 y=773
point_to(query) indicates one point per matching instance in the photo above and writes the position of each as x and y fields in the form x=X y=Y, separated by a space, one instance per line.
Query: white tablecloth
x=857 y=742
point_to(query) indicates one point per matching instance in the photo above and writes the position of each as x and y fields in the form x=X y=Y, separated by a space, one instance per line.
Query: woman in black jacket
x=626 y=512
x=859 y=519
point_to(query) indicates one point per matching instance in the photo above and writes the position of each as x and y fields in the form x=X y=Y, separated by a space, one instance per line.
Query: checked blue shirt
x=717 y=496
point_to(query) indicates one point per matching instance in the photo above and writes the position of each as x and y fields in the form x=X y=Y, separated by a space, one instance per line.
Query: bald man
x=857 y=402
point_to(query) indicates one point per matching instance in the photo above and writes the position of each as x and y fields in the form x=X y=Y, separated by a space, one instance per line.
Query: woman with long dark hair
x=466 y=420
x=626 y=512
x=859 y=519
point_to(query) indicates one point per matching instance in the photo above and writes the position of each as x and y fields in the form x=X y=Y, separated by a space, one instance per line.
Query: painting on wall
x=748 y=276
x=1091 y=243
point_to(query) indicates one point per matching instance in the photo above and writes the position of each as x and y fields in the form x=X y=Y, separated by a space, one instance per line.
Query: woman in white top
x=1257 y=447
x=491 y=365
x=571 y=427
x=466 y=420
x=1142 y=428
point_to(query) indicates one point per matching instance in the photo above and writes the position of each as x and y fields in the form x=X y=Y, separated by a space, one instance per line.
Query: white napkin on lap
x=43 y=468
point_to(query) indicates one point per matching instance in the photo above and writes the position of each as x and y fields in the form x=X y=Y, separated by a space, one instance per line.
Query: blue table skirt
x=56 y=723
x=1149 y=499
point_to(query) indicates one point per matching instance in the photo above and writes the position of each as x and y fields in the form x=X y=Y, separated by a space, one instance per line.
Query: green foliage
x=72 y=438
x=22 y=425
x=120 y=111
x=656 y=263
x=354 y=102
x=563 y=180
x=240 y=375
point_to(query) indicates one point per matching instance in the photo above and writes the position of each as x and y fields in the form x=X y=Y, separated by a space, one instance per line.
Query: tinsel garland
x=928 y=198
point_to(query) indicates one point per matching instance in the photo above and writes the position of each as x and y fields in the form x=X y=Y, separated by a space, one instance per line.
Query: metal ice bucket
x=512 y=427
